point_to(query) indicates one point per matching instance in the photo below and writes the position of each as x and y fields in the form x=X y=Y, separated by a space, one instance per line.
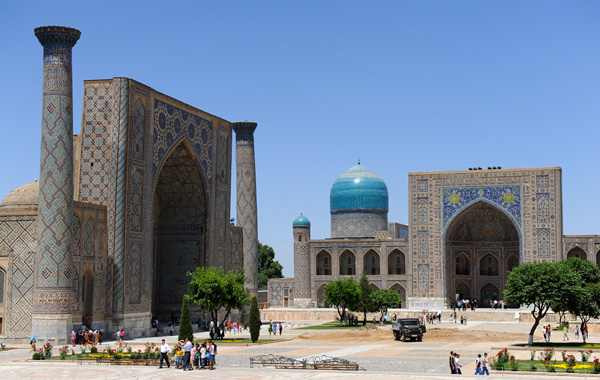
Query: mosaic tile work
x=543 y=243
x=89 y=238
x=116 y=200
x=506 y=197
x=55 y=210
x=176 y=258
x=170 y=125
x=246 y=199
x=17 y=236
x=135 y=201
x=358 y=224
x=302 y=262
x=133 y=271
x=96 y=142
x=76 y=235
x=277 y=292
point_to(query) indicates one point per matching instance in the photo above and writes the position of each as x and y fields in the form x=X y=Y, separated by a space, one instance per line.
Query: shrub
x=596 y=365
x=47 y=348
x=503 y=356
x=186 y=330
x=547 y=354
x=254 y=320
x=570 y=359
x=37 y=356
x=94 y=349
x=585 y=355
x=64 y=352
x=514 y=364
x=564 y=355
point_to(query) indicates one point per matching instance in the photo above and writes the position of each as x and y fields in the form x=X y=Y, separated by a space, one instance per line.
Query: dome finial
x=359 y=160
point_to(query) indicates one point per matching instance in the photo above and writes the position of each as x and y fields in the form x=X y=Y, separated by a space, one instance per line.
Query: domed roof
x=358 y=188
x=26 y=195
x=301 y=221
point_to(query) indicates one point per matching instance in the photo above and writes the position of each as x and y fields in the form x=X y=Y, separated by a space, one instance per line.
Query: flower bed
x=504 y=361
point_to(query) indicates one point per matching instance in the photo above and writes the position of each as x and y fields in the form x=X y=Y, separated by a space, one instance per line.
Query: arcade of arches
x=179 y=228
x=482 y=246
x=395 y=287
x=371 y=263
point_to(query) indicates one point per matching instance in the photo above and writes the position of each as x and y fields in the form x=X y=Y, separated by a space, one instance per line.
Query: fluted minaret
x=246 y=199
x=53 y=293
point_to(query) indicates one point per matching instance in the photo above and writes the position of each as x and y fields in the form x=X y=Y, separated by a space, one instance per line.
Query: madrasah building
x=466 y=231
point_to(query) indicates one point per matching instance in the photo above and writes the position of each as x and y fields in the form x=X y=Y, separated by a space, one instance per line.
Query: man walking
x=484 y=363
x=164 y=354
x=478 y=365
x=187 y=351
x=451 y=363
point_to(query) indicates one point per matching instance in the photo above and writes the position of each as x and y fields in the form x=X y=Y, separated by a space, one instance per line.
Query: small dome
x=359 y=188
x=26 y=195
x=301 y=221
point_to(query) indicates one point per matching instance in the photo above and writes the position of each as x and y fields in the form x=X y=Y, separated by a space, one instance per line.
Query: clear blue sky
x=405 y=86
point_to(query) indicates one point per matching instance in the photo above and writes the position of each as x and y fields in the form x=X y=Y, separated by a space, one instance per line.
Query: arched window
x=371 y=263
x=323 y=263
x=321 y=296
x=396 y=262
x=463 y=265
x=512 y=262
x=401 y=292
x=347 y=267
x=374 y=287
x=577 y=252
x=488 y=265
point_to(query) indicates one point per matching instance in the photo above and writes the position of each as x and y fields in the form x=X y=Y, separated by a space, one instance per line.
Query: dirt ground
x=435 y=335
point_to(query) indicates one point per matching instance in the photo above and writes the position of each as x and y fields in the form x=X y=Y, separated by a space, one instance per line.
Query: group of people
x=274 y=326
x=430 y=318
x=190 y=356
x=481 y=364
x=85 y=336
x=576 y=329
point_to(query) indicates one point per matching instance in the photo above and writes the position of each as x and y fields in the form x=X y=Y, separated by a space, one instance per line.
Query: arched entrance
x=481 y=246
x=323 y=263
x=87 y=300
x=179 y=228
x=321 y=296
x=577 y=252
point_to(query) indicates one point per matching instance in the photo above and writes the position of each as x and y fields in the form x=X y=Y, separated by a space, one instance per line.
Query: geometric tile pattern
x=135 y=201
x=17 y=235
x=543 y=243
x=116 y=216
x=76 y=235
x=302 y=272
x=277 y=292
x=137 y=132
x=95 y=142
x=133 y=271
x=506 y=197
x=246 y=199
x=543 y=208
x=89 y=238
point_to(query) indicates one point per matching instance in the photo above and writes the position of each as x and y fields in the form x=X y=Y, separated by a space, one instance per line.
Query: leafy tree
x=185 y=325
x=343 y=294
x=212 y=290
x=539 y=284
x=254 y=320
x=585 y=302
x=365 y=303
x=267 y=266
x=385 y=298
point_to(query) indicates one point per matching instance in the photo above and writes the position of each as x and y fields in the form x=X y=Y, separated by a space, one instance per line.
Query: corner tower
x=302 y=272
x=246 y=199
x=358 y=204
x=53 y=292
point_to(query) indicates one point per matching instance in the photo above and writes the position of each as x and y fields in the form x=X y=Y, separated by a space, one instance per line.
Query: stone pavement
x=380 y=359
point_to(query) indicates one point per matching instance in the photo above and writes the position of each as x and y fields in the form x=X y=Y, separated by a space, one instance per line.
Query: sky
x=404 y=86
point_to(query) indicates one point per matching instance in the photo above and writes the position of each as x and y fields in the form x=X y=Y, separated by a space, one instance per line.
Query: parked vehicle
x=408 y=328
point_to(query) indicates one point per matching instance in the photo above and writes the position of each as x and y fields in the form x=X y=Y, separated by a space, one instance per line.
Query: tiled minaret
x=302 y=272
x=246 y=199
x=53 y=293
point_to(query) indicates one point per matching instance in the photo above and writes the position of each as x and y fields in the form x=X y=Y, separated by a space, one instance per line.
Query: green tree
x=212 y=290
x=343 y=294
x=541 y=285
x=185 y=325
x=254 y=320
x=267 y=266
x=585 y=302
x=365 y=303
x=385 y=298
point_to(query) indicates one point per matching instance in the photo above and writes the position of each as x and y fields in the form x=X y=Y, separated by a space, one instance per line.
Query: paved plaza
x=374 y=350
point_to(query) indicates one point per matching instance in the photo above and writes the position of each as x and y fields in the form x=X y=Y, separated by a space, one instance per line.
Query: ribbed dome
x=301 y=221
x=26 y=195
x=359 y=188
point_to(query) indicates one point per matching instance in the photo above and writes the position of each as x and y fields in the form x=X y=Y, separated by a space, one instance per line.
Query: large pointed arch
x=396 y=287
x=347 y=263
x=485 y=239
x=180 y=217
x=577 y=252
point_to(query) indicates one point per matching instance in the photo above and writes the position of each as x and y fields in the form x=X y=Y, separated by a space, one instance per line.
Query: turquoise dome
x=301 y=221
x=359 y=188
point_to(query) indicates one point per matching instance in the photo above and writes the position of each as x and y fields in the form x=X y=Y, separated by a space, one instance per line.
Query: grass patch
x=334 y=325
x=566 y=345
x=240 y=341
x=7 y=349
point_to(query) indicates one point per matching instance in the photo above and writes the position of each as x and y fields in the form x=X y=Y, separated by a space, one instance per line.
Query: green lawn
x=559 y=366
x=238 y=341
x=566 y=345
x=334 y=325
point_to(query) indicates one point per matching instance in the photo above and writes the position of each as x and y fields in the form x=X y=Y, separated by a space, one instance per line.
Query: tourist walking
x=451 y=363
x=164 y=354
x=577 y=332
x=280 y=328
x=478 y=365
x=212 y=351
x=484 y=365
x=565 y=331
x=187 y=350
x=457 y=364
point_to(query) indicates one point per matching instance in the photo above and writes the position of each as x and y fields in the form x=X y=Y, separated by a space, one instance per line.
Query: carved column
x=246 y=199
x=53 y=293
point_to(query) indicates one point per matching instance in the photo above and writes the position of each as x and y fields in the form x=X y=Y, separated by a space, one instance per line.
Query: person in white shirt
x=164 y=354
x=187 y=349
